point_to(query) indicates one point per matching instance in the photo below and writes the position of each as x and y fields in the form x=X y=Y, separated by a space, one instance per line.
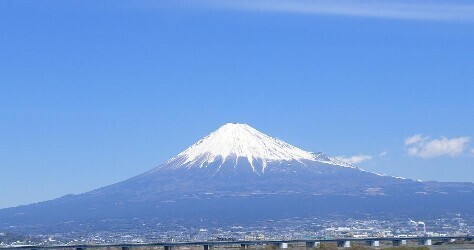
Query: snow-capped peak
x=241 y=140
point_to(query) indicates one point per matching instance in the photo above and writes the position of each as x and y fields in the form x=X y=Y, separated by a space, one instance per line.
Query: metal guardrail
x=208 y=244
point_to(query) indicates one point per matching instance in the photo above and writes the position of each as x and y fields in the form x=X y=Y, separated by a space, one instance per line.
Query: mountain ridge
x=237 y=166
x=240 y=141
x=234 y=141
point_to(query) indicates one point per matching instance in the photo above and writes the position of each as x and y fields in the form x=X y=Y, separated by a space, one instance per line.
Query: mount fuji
x=238 y=173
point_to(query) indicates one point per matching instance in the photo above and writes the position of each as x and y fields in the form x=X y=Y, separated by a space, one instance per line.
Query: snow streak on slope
x=233 y=142
x=240 y=141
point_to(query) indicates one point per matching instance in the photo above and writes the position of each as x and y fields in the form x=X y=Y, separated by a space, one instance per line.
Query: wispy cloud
x=393 y=9
x=383 y=154
x=354 y=159
x=472 y=151
x=424 y=147
x=414 y=139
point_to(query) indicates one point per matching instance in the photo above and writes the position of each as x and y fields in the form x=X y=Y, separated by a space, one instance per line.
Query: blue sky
x=92 y=93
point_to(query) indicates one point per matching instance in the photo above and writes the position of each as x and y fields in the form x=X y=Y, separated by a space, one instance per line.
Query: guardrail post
x=207 y=247
x=372 y=243
x=343 y=243
x=397 y=243
x=244 y=246
x=282 y=245
x=424 y=242
x=312 y=244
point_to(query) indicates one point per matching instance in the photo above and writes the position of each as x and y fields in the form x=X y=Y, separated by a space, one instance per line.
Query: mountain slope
x=237 y=158
x=236 y=141
x=235 y=172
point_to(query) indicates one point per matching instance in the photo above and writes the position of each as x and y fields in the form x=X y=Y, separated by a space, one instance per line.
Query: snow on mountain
x=222 y=177
x=233 y=141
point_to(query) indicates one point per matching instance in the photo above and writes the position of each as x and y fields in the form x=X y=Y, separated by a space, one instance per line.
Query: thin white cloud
x=424 y=147
x=414 y=139
x=383 y=154
x=392 y=9
x=472 y=151
x=354 y=159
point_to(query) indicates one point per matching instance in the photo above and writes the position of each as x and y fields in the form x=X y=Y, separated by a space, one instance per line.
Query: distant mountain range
x=240 y=174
